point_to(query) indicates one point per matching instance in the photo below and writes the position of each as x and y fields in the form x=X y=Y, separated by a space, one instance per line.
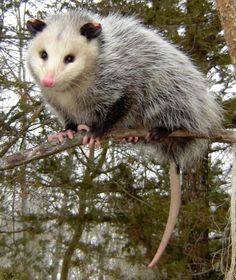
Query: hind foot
x=131 y=139
x=158 y=134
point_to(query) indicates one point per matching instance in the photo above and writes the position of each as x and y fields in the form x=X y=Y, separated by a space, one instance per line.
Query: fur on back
x=159 y=84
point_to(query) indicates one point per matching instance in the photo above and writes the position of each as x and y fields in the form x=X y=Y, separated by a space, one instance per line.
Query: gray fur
x=161 y=85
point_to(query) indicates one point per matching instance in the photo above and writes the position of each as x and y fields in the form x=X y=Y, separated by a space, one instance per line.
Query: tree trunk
x=227 y=14
x=231 y=274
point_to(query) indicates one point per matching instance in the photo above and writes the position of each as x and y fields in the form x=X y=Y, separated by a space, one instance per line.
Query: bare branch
x=47 y=149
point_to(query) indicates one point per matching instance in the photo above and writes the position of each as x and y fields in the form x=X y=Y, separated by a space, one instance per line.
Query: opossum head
x=62 y=54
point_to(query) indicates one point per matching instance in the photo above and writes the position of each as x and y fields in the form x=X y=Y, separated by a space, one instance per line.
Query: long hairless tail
x=175 y=202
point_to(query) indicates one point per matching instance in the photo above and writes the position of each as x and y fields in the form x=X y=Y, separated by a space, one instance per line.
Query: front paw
x=61 y=136
x=89 y=139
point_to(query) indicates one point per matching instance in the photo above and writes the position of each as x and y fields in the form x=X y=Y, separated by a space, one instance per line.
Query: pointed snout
x=48 y=81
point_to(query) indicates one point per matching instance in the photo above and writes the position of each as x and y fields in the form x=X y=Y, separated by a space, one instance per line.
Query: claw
x=70 y=134
x=148 y=137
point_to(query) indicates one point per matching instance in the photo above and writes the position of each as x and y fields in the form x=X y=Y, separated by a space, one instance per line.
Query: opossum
x=102 y=73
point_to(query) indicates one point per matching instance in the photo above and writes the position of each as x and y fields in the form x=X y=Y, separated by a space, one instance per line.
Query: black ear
x=35 y=25
x=91 y=30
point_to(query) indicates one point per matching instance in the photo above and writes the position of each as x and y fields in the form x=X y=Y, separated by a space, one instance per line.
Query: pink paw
x=61 y=136
x=88 y=139
x=131 y=139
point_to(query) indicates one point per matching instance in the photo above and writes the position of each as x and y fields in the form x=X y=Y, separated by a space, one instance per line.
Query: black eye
x=43 y=54
x=69 y=58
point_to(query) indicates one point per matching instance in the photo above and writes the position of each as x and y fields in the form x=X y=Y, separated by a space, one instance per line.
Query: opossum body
x=111 y=72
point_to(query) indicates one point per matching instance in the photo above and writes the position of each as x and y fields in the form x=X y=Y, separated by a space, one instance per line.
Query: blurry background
x=101 y=214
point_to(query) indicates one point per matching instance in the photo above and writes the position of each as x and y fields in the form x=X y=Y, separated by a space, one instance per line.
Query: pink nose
x=48 y=82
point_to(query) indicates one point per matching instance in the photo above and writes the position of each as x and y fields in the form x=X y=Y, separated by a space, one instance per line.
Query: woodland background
x=100 y=214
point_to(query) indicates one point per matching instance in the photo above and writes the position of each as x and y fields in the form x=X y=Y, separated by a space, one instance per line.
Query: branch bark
x=50 y=148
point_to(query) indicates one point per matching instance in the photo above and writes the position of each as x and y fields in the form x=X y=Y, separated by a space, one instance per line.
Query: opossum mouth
x=61 y=87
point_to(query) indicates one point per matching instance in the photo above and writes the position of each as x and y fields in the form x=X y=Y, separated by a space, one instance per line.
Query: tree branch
x=50 y=148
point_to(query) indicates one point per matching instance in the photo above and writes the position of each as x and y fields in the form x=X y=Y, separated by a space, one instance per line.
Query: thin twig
x=47 y=149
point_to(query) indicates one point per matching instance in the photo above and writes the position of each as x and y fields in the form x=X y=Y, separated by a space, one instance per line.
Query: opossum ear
x=91 y=30
x=35 y=25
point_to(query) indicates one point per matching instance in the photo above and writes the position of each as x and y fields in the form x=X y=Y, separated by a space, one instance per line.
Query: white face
x=58 y=57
